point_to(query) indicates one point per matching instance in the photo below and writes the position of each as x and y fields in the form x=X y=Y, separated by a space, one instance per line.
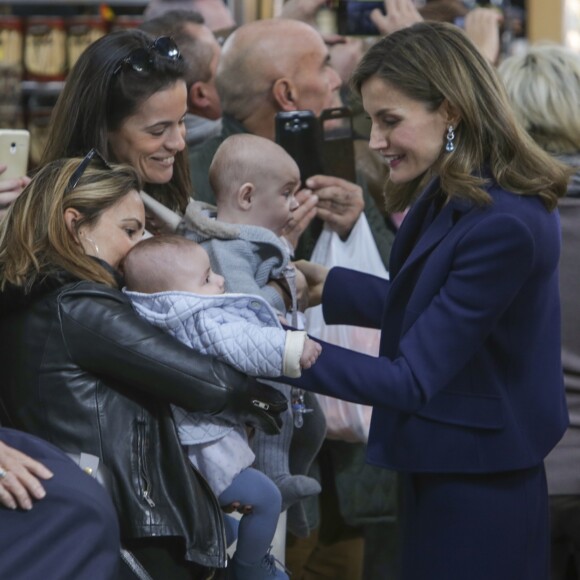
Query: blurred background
x=41 y=40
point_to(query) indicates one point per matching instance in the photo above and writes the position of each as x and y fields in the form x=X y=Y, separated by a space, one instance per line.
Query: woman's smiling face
x=149 y=139
x=404 y=131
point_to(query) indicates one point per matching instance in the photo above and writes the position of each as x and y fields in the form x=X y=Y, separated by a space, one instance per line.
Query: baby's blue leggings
x=256 y=530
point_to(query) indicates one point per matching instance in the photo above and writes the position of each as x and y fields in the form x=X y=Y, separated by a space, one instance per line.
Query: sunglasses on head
x=140 y=59
x=78 y=172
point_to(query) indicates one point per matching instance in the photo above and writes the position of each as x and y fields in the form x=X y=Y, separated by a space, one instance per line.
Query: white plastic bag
x=347 y=421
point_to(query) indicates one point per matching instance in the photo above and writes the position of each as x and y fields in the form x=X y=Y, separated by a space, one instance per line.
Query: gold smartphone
x=14 y=151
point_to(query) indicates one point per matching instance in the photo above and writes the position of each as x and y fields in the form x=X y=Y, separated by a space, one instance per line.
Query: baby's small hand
x=310 y=353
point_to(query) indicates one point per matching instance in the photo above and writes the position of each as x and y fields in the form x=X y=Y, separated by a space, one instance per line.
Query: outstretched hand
x=399 y=14
x=315 y=275
x=482 y=26
x=340 y=202
x=19 y=478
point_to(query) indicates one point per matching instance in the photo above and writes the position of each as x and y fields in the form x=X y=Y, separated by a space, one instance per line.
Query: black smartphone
x=337 y=143
x=321 y=145
x=353 y=17
x=298 y=132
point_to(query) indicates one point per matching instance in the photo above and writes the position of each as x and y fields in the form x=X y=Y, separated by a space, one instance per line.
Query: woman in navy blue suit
x=467 y=390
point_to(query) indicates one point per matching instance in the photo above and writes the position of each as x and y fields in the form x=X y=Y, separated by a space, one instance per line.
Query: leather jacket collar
x=14 y=298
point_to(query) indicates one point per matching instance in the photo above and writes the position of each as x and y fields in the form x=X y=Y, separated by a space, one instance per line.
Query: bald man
x=276 y=65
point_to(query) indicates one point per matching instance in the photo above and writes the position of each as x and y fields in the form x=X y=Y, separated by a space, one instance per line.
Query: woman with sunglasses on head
x=82 y=370
x=126 y=96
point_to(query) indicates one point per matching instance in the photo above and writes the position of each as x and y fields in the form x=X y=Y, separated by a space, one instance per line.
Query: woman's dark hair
x=100 y=93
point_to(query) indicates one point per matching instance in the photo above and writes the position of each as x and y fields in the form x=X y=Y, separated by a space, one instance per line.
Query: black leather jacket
x=83 y=371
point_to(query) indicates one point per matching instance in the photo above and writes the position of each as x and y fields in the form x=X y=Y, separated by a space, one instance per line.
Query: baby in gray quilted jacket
x=186 y=298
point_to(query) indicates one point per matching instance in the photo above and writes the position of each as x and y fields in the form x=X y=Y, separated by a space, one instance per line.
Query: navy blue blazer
x=469 y=376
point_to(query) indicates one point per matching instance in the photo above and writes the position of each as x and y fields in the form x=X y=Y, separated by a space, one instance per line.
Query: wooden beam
x=545 y=20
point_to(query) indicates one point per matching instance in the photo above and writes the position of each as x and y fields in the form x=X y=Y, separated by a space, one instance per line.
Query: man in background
x=201 y=52
x=215 y=13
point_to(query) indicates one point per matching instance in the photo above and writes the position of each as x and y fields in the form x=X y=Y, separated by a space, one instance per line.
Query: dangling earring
x=450 y=146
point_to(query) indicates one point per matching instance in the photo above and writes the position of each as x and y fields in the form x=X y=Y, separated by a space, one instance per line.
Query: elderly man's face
x=316 y=81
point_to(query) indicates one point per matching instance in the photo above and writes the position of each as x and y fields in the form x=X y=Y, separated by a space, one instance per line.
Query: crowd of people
x=154 y=272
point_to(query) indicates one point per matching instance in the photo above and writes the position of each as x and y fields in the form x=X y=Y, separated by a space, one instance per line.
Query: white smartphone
x=14 y=151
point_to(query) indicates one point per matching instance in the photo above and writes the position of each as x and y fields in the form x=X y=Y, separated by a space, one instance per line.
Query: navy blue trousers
x=71 y=533
x=476 y=527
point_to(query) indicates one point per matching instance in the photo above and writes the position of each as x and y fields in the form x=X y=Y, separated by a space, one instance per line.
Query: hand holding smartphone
x=320 y=146
x=337 y=150
x=298 y=132
x=353 y=17
x=14 y=150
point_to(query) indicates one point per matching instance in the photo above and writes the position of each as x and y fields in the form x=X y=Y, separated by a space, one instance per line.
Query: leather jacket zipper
x=144 y=474
x=146 y=496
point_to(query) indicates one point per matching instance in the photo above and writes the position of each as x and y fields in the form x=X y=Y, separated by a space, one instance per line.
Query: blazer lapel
x=409 y=254
x=407 y=234
x=437 y=230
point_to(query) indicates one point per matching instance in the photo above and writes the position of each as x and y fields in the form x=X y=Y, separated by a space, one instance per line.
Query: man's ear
x=285 y=94
x=198 y=99
x=245 y=196
x=71 y=218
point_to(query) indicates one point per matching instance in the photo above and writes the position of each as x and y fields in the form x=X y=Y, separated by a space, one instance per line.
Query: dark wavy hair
x=97 y=99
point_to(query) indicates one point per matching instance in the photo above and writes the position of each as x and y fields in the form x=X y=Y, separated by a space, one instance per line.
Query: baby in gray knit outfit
x=255 y=182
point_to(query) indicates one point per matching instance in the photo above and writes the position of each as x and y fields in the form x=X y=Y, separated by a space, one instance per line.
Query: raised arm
x=399 y=14
x=492 y=264
x=354 y=298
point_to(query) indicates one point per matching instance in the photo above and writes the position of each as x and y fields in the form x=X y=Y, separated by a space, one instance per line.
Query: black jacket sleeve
x=105 y=336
